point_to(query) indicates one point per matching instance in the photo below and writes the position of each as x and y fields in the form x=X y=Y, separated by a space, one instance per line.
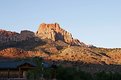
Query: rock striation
x=55 y=33
x=82 y=54
x=7 y=36
x=57 y=43
x=20 y=53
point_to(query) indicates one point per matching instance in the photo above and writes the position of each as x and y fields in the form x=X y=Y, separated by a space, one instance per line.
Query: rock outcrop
x=20 y=53
x=7 y=36
x=55 y=33
x=52 y=39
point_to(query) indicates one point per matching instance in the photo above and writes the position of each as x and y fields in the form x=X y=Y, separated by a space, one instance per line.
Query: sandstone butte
x=55 y=32
x=6 y=36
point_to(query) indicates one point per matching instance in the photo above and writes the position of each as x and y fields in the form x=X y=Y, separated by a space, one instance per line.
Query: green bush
x=72 y=74
x=37 y=72
x=107 y=76
x=68 y=73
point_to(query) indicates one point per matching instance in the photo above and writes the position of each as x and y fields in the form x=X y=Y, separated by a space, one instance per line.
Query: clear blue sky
x=96 y=22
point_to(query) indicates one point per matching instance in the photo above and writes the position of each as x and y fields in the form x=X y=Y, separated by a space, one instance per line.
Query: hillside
x=19 y=53
x=57 y=44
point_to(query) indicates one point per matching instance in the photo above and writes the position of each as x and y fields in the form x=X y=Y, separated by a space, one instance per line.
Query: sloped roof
x=13 y=64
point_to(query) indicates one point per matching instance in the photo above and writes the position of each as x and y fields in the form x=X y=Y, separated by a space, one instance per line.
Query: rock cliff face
x=56 y=41
x=55 y=33
x=7 y=36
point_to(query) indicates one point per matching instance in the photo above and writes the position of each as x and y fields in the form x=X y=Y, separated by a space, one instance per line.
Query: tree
x=37 y=72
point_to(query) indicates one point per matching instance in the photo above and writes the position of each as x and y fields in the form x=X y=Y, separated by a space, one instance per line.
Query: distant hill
x=56 y=44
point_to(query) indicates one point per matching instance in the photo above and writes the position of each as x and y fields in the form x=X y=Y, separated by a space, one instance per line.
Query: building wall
x=10 y=74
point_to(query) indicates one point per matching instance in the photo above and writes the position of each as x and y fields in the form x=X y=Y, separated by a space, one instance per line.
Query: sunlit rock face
x=20 y=53
x=6 y=36
x=46 y=31
x=55 y=32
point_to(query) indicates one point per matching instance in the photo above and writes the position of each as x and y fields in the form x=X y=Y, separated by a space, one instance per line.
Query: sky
x=96 y=22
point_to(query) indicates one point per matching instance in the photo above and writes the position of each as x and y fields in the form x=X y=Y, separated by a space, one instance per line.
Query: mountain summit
x=56 y=44
x=55 y=33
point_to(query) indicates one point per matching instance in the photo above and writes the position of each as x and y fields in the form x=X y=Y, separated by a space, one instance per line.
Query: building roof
x=13 y=64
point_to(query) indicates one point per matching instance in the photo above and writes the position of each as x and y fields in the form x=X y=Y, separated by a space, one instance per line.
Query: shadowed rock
x=55 y=33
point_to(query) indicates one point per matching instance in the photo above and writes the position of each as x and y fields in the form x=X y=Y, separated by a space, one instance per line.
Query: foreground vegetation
x=67 y=73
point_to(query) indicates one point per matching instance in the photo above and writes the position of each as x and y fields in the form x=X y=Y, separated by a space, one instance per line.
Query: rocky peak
x=55 y=33
x=7 y=36
x=7 y=33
